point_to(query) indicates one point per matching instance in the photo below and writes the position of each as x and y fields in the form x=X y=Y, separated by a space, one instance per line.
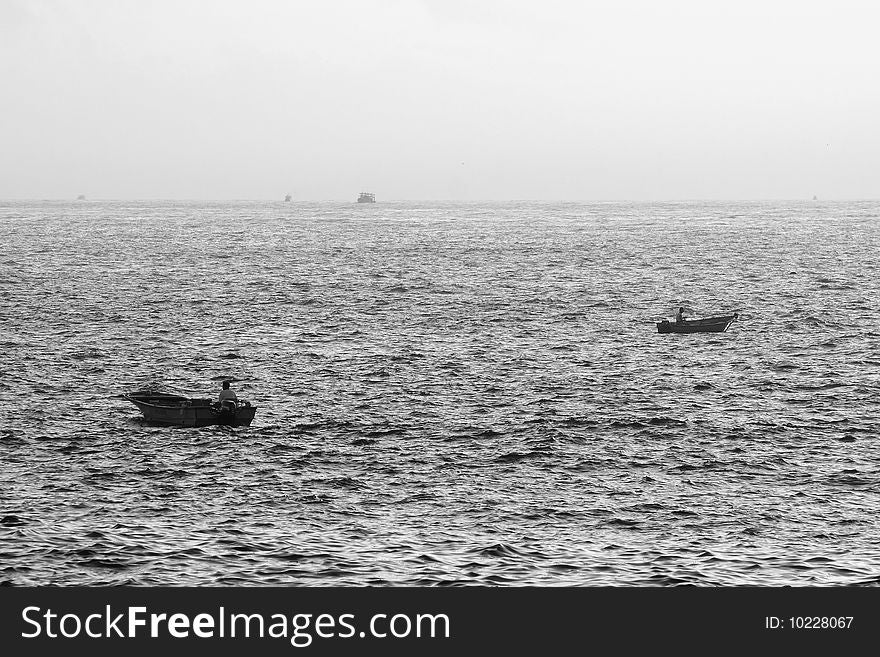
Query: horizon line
x=439 y=200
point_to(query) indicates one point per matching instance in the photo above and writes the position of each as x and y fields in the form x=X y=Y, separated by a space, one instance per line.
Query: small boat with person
x=177 y=410
x=717 y=324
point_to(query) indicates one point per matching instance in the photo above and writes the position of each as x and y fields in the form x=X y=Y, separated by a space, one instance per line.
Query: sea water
x=447 y=393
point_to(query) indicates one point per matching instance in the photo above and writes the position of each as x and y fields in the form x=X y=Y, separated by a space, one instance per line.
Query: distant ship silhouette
x=366 y=197
x=287 y=198
x=81 y=197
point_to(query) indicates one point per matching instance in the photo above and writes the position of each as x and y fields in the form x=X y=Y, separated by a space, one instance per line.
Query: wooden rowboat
x=177 y=410
x=705 y=325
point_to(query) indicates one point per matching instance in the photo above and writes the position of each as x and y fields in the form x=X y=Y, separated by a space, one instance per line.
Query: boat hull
x=706 y=325
x=173 y=410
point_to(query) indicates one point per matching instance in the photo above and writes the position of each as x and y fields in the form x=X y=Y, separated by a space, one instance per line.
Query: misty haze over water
x=439 y=99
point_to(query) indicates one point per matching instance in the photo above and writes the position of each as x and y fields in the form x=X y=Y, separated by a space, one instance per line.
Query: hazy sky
x=439 y=99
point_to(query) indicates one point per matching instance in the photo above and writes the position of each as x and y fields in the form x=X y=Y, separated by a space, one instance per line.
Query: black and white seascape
x=432 y=244
x=448 y=393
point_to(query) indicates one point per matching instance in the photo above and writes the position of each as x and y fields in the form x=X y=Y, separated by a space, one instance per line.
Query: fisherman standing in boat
x=228 y=398
x=679 y=316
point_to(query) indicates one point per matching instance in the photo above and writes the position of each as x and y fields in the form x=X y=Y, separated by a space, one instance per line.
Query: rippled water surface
x=471 y=394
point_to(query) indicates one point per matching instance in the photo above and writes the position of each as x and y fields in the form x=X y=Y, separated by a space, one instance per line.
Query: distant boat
x=177 y=410
x=705 y=325
x=814 y=198
x=366 y=197
x=287 y=198
x=81 y=197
